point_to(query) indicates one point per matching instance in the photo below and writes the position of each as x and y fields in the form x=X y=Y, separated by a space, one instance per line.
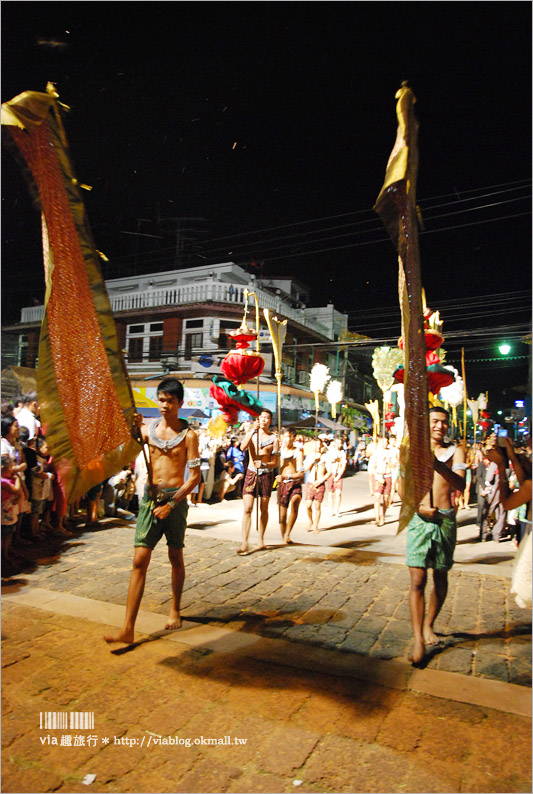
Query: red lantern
x=241 y=365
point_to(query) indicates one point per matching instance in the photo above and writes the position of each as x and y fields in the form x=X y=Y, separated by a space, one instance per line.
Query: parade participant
x=394 y=457
x=382 y=471
x=336 y=463
x=262 y=446
x=163 y=510
x=431 y=534
x=290 y=479
x=315 y=464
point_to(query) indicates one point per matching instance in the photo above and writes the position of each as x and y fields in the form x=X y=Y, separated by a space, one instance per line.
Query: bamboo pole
x=465 y=400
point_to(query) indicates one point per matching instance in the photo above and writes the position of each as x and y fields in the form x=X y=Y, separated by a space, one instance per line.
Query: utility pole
x=186 y=231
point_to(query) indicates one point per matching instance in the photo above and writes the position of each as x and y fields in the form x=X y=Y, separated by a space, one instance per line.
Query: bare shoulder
x=459 y=455
x=191 y=439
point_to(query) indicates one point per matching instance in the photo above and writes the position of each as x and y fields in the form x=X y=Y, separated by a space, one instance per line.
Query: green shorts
x=432 y=544
x=149 y=530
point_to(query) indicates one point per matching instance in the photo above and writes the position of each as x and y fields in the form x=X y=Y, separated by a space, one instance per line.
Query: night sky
x=270 y=125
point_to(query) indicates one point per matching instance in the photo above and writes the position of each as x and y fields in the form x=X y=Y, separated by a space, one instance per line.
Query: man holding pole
x=259 y=477
x=173 y=446
x=432 y=532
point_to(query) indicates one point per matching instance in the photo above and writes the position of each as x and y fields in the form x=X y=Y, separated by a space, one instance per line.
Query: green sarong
x=431 y=544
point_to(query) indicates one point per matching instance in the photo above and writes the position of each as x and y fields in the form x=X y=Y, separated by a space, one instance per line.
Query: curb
x=393 y=674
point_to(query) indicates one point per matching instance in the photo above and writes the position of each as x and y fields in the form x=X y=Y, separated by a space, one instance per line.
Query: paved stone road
x=300 y=650
x=305 y=731
x=331 y=598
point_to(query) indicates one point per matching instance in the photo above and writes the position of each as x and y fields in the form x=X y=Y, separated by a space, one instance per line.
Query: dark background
x=266 y=128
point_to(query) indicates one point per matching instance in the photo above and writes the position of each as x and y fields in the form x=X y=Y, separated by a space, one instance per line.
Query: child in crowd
x=11 y=491
x=41 y=493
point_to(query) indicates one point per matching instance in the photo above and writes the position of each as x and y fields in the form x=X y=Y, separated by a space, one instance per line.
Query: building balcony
x=199 y=292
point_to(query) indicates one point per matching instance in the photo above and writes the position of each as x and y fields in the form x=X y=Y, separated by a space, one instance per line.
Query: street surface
x=299 y=650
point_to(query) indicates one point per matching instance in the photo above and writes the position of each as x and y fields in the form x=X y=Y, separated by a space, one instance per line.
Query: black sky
x=259 y=115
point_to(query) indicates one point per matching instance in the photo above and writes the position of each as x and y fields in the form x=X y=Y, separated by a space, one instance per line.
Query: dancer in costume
x=163 y=510
x=263 y=447
x=432 y=532
x=316 y=465
x=336 y=462
x=290 y=477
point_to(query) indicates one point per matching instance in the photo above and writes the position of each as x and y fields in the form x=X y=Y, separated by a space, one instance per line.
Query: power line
x=374 y=222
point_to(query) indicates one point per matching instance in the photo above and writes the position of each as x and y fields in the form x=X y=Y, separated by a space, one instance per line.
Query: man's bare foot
x=309 y=528
x=243 y=550
x=418 y=652
x=122 y=636
x=316 y=532
x=259 y=548
x=430 y=638
x=173 y=622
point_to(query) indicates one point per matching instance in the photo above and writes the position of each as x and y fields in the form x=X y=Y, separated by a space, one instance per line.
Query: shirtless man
x=315 y=464
x=291 y=474
x=336 y=463
x=172 y=445
x=263 y=460
x=431 y=534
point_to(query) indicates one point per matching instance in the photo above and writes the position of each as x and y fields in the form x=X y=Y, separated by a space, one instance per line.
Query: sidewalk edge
x=394 y=673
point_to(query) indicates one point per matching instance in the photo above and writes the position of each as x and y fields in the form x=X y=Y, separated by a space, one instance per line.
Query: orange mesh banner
x=91 y=408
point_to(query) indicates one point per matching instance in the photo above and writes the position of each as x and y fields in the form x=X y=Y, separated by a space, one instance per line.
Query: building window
x=135 y=349
x=23 y=350
x=192 y=342
x=194 y=324
x=144 y=341
x=156 y=348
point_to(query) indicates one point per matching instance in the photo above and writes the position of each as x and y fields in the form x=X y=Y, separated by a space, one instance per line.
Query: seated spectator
x=118 y=492
x=227 y=482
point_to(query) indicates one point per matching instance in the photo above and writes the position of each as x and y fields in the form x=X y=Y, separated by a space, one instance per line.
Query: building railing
x=198 y=292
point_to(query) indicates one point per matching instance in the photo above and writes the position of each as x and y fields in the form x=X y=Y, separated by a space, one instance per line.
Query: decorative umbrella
x=319 y=378
x=438 y=375
x=334 y=394
x=278 y=333
x=385 y=361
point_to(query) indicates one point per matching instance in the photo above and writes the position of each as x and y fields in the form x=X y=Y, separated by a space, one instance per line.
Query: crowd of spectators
x=34 y=504
x=33 y=497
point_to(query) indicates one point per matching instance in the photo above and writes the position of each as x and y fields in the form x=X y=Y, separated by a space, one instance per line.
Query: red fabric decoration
x=242 y=367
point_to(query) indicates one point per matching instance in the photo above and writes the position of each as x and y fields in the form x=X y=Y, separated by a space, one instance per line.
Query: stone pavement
x=300 y=650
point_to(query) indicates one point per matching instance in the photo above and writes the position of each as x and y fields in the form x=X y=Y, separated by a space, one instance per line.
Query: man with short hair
x=27 y=416
x=432 y=533
x=258 y=480
x=315 y=464
x=336 y=463
x=290 y=478
x=163 y=511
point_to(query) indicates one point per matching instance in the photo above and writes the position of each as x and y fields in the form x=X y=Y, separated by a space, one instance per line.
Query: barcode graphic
x=61 y=720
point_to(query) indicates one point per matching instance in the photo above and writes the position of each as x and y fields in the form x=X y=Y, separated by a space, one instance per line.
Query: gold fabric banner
x=85 y=397
x=396 y=206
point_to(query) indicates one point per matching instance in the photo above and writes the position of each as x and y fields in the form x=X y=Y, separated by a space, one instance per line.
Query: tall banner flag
x=86 y=401
x=396 y=206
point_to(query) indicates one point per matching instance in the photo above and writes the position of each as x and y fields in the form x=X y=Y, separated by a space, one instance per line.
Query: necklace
x=163 y=444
